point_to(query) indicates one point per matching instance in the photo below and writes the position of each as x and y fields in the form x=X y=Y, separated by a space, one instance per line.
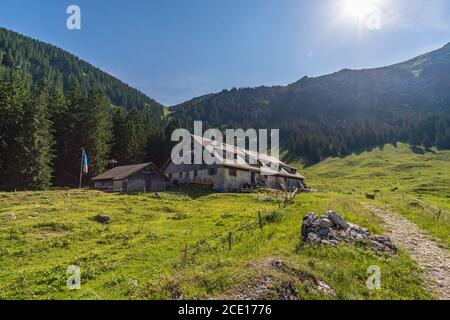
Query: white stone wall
x=223 y=181
x=235 y=183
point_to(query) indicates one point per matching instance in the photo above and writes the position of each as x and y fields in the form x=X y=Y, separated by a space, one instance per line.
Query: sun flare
x=359 y=9
x=366 y=13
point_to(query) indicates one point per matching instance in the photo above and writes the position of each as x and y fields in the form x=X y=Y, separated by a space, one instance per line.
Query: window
x=180 y=175
x=212 y=171
x=170 y=176
x=232 y=172
x=195 y=173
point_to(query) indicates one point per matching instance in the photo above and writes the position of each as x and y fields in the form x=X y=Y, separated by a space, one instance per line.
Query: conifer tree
x=136 y=137
x=119 y=143
x=96 y=129
x=37 y=161
x=13 y=99
x=58 y=107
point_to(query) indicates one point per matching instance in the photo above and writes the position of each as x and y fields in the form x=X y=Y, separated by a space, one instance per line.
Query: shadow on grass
x=422 y=150
x=193 y=192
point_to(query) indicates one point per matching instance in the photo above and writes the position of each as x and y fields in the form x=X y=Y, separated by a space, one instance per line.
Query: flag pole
x=81 y=168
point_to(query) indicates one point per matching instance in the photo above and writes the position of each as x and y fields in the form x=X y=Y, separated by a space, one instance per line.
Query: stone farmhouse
x=235 y=172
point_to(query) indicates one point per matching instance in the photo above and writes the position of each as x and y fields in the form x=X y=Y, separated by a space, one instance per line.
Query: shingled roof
x=123 y=172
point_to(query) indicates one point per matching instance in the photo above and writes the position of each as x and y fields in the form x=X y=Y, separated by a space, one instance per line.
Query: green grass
x=424 y=175
x=139 y=254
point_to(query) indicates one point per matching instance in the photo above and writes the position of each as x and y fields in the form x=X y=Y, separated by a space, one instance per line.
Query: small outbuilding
x=144 y=177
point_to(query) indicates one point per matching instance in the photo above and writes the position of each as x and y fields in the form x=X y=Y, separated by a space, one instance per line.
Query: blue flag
x=85 y=163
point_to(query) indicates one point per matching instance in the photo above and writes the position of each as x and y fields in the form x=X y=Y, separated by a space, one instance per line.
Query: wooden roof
x=123 y=172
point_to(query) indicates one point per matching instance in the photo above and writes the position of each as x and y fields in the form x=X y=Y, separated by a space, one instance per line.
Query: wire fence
x=228 y=239
x=394 y=197
x=412 y=202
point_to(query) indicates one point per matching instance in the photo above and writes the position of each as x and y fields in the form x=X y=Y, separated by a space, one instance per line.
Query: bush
x=274 y=217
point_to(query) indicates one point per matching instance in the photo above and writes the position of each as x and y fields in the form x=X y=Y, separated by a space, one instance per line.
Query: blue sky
x=174 y=50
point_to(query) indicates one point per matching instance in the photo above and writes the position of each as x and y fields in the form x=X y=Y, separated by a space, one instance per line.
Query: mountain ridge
x=306 y=79
x=408 y=83
x=36 y=59
x=347 y=110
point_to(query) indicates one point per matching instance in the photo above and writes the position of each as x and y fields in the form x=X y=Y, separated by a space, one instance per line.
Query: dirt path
x=435 y=260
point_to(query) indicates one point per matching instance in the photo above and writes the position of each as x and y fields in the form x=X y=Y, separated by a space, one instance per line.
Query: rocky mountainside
x=346 y=110
x=418 y=85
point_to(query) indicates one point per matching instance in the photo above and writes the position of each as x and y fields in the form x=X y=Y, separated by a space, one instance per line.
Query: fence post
x=260 y=220
x=230 y=239
x=438 y=216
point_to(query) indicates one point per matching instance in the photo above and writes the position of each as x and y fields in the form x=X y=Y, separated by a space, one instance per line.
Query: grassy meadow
x=141 y=253
x=399 y=176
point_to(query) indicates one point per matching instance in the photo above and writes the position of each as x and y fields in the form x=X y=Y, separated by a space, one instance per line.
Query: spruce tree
x=119 y=144
x=96 y=130
x=136 y=137
x=58 y=107
x=37 y=165
x=426 y=141
x=71 y=131
x=13 y=99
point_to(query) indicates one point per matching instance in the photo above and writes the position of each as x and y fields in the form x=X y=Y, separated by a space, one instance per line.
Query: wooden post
x=438 y=216
x=81 y=167
x=260 y=220
x=230 y=239
x=185 y=256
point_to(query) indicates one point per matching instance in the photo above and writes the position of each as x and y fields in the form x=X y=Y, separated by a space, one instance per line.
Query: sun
x=364 y=13
x=359 y=9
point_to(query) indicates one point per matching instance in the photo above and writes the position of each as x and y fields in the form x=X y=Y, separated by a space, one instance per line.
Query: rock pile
x=331 y=229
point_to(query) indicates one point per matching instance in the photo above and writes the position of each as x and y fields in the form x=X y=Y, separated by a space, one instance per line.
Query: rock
x=12 y=217
x=332 y=229
x=337 y=220
x=335 y=236
x=382 y=244
x=333 y=243
x=102 y=218
x=325 y=223
x=309 y=225
x=323 y=233
x=323 y=286
x=278 y=264
x=313 y=240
